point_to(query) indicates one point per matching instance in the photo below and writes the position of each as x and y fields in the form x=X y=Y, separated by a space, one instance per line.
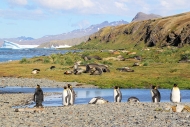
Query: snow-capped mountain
x=23 y=38
x=64 y=36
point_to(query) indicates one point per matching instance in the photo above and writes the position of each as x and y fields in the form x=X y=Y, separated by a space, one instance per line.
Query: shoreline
x=32 y=82
x=123 y=114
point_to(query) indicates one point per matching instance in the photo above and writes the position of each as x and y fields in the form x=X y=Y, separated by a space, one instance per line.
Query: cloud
x=170 y=7
x=128 y=8
x=17 y=2
x=65 y=4
x=82 y=24
x=114 y=7
x=11 y=23
x=29 y=14
x=84 y=6
x=174 y=4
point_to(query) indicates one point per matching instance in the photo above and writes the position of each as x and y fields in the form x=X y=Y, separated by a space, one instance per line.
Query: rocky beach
x=124 y=114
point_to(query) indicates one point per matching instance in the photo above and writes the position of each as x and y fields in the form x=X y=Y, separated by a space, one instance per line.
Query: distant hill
x=71 y=42
x=166 y=31
x=19 y=40
x=79 y=33
x=142 y=16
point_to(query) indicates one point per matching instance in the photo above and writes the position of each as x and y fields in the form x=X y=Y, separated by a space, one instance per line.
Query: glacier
x=12 y=45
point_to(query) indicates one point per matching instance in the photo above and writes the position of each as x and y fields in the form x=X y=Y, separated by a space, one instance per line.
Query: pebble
x=123 y=114
x=31 y=82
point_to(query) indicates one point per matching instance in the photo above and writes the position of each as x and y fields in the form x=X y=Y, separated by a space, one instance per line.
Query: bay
x=17 y=54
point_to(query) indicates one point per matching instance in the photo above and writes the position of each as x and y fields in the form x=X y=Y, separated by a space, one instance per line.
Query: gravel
x=31 y=82
x=123 y=114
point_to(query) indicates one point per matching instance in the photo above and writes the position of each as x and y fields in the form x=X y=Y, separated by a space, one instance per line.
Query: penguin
x=133 y=99
x=65 y=96
x=117 y=94
x=156 y=97
x=38 y=96
x=175 y=94
x=71 y=94
x=98 y=100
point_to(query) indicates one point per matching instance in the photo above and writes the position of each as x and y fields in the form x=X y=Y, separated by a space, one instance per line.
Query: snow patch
x=11 y=45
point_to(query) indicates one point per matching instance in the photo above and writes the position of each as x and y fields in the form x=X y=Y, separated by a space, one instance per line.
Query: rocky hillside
x=166 y=31
x=142 y=16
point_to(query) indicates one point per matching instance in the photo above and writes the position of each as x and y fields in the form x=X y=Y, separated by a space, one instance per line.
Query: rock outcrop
x=166 y=31
x=142 y=16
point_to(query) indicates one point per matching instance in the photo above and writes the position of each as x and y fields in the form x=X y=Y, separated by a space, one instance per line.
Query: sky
x=38 y=18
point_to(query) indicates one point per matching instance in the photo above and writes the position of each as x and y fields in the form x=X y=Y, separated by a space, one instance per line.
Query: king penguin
x=156 y=97
x=38 y=96
x=71 y=94
x=175 y=94
x=117 y=94
x=65 y=96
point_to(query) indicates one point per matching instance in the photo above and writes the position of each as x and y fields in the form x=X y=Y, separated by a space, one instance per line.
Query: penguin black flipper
x=120 y=96
x=180 y=97
x=155 y=94
x=117 y=96
x=159 y=96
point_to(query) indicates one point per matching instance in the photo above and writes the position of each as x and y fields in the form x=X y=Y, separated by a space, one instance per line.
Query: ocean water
x=18 y=54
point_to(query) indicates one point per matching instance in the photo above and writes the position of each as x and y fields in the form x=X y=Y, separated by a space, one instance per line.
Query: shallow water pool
x=84 y=95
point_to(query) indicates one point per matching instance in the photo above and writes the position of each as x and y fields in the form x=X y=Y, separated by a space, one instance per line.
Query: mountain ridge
x=78 y=33
x=166 y=31
x=142 y=16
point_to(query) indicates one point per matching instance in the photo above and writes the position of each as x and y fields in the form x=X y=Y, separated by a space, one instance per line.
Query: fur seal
x=133 y=99
x=97 y=100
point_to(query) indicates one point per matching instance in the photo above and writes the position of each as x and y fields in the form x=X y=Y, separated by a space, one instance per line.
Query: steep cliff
x=166 y=31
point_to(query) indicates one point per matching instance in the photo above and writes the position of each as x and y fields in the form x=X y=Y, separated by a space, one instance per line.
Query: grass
x=160 y=68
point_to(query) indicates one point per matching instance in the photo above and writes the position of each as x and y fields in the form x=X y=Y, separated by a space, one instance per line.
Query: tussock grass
x=159 y=67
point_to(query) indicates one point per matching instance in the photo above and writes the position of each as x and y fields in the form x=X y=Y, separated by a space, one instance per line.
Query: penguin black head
x=116 y=87
x=153 y=87
x=65 y=87
x=175 y=85
x=69 y=85
x=38 y=86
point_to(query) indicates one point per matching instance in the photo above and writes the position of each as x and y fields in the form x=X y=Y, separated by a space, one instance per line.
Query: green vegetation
x=160 y=67
x=24 y=60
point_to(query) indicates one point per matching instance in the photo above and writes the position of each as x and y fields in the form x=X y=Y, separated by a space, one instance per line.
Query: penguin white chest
x=175 y=97
x=65 y=97
x=152 y=94
x=115 y=94
x=154 y=98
